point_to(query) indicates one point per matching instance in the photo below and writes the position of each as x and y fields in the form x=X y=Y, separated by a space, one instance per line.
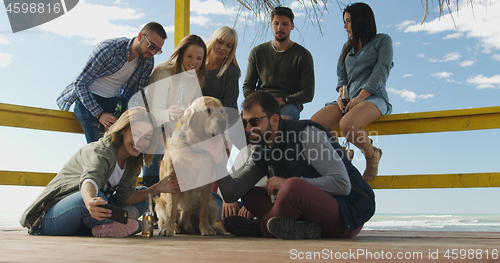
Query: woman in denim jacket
x=362 y=70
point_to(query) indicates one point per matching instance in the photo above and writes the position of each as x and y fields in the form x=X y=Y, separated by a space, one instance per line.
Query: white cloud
x=398 y=44
x=479 y=22
x=409 y=95
x=421 y=55
x=5 y=59
x=3 y=40
x=427 y=96
x=455 y=35
x=496 y=56
x=104 y=22
x=199 y=20
x=300 y=5
x=407 y=75
x=169 y=29
x=452 y=56
x=204 y=10
x=483 y=82
x=405 y=24
x=442 y=75
x=466 y=63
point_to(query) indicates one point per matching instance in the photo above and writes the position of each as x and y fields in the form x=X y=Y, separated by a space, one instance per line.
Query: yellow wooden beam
x=38 y=118
x=434 y=121
x=429 y=181
x=31 y=178
x=25 y=178
x=408 y=123
x=465 y=180
x=182 y=10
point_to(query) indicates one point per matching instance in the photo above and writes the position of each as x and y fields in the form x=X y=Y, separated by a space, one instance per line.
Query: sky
x=449 y=62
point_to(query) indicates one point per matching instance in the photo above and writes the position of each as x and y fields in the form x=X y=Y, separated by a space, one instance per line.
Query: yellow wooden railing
x=408 y=123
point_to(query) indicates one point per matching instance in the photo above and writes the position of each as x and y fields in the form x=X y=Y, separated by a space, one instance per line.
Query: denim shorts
x=378 y=102
x=291 y=111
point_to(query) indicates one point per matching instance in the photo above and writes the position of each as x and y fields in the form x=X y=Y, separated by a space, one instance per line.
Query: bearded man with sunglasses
x=116 y=69
x=318 y=192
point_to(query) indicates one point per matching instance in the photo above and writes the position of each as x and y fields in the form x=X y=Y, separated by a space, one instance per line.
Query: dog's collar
x=197 y=151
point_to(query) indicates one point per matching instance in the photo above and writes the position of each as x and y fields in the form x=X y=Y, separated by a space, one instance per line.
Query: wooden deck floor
x=17 y=246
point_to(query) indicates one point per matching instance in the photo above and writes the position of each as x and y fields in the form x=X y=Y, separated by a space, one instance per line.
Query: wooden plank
x=416 y=246
x=436 y=121
x=31 y=178
x=182 y=17
x=38 y=118
x=464 y=180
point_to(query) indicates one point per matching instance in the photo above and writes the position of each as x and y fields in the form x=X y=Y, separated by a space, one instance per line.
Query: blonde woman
x=222 y=70
x=221 y=82
x=173 y=85
x=102 y=172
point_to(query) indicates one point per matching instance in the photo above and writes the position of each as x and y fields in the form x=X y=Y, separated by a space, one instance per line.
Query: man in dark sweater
x=318 y=192
x=281 y=67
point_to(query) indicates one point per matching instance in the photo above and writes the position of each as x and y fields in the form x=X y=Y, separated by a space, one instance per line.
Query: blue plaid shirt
x=107 y=58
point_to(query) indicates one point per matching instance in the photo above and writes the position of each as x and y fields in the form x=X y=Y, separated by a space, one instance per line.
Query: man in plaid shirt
x=116 y=70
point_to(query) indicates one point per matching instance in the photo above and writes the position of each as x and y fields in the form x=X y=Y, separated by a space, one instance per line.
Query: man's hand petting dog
x=169 y=184
x=215 y=147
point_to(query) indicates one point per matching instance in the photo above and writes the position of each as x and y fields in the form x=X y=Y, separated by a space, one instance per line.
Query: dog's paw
x=208 y=232
x=178 y=230
x=218 y=230
x=165 y=231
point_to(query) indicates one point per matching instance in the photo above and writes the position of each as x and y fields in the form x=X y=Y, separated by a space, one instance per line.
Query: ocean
x=393 y=222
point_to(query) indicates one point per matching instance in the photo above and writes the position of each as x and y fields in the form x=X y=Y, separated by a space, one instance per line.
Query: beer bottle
x=148 y=219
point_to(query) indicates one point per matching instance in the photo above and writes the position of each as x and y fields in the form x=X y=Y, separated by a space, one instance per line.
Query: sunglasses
x=253 y=122
x=153 y=48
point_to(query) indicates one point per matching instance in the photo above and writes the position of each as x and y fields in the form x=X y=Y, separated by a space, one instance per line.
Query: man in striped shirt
x=116 y=69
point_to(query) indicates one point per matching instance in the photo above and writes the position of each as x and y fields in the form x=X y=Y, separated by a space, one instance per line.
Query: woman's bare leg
x=352 y=125
x=329 y=116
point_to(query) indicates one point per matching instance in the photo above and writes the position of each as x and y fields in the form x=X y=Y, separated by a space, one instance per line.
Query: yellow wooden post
x=181 y=20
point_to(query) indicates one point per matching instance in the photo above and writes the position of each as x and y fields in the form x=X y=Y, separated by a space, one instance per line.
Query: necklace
x=280 y=51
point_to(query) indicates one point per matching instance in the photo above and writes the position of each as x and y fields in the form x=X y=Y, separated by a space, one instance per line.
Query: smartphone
x=117 y=214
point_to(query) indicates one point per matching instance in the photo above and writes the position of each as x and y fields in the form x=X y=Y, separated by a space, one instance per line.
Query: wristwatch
x=286 y=100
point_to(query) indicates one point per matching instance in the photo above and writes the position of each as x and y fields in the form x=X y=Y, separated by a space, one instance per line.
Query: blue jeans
x=70 y=216
x=291 y=111
x=91 y=127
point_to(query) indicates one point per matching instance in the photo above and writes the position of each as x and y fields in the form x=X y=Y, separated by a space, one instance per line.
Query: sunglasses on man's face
x=253 y=122
x=153 y=48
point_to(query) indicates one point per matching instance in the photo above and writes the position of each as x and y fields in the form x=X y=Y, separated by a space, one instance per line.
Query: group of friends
x=308 y=197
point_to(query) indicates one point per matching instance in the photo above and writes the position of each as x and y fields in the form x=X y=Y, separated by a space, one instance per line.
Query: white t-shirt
x=115 y=178
x=110 y=86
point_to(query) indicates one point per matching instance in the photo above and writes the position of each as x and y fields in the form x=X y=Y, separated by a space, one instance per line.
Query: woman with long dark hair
x=362 y=71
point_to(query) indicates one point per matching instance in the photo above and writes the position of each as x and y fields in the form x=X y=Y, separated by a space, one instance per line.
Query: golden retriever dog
x=192 y=211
